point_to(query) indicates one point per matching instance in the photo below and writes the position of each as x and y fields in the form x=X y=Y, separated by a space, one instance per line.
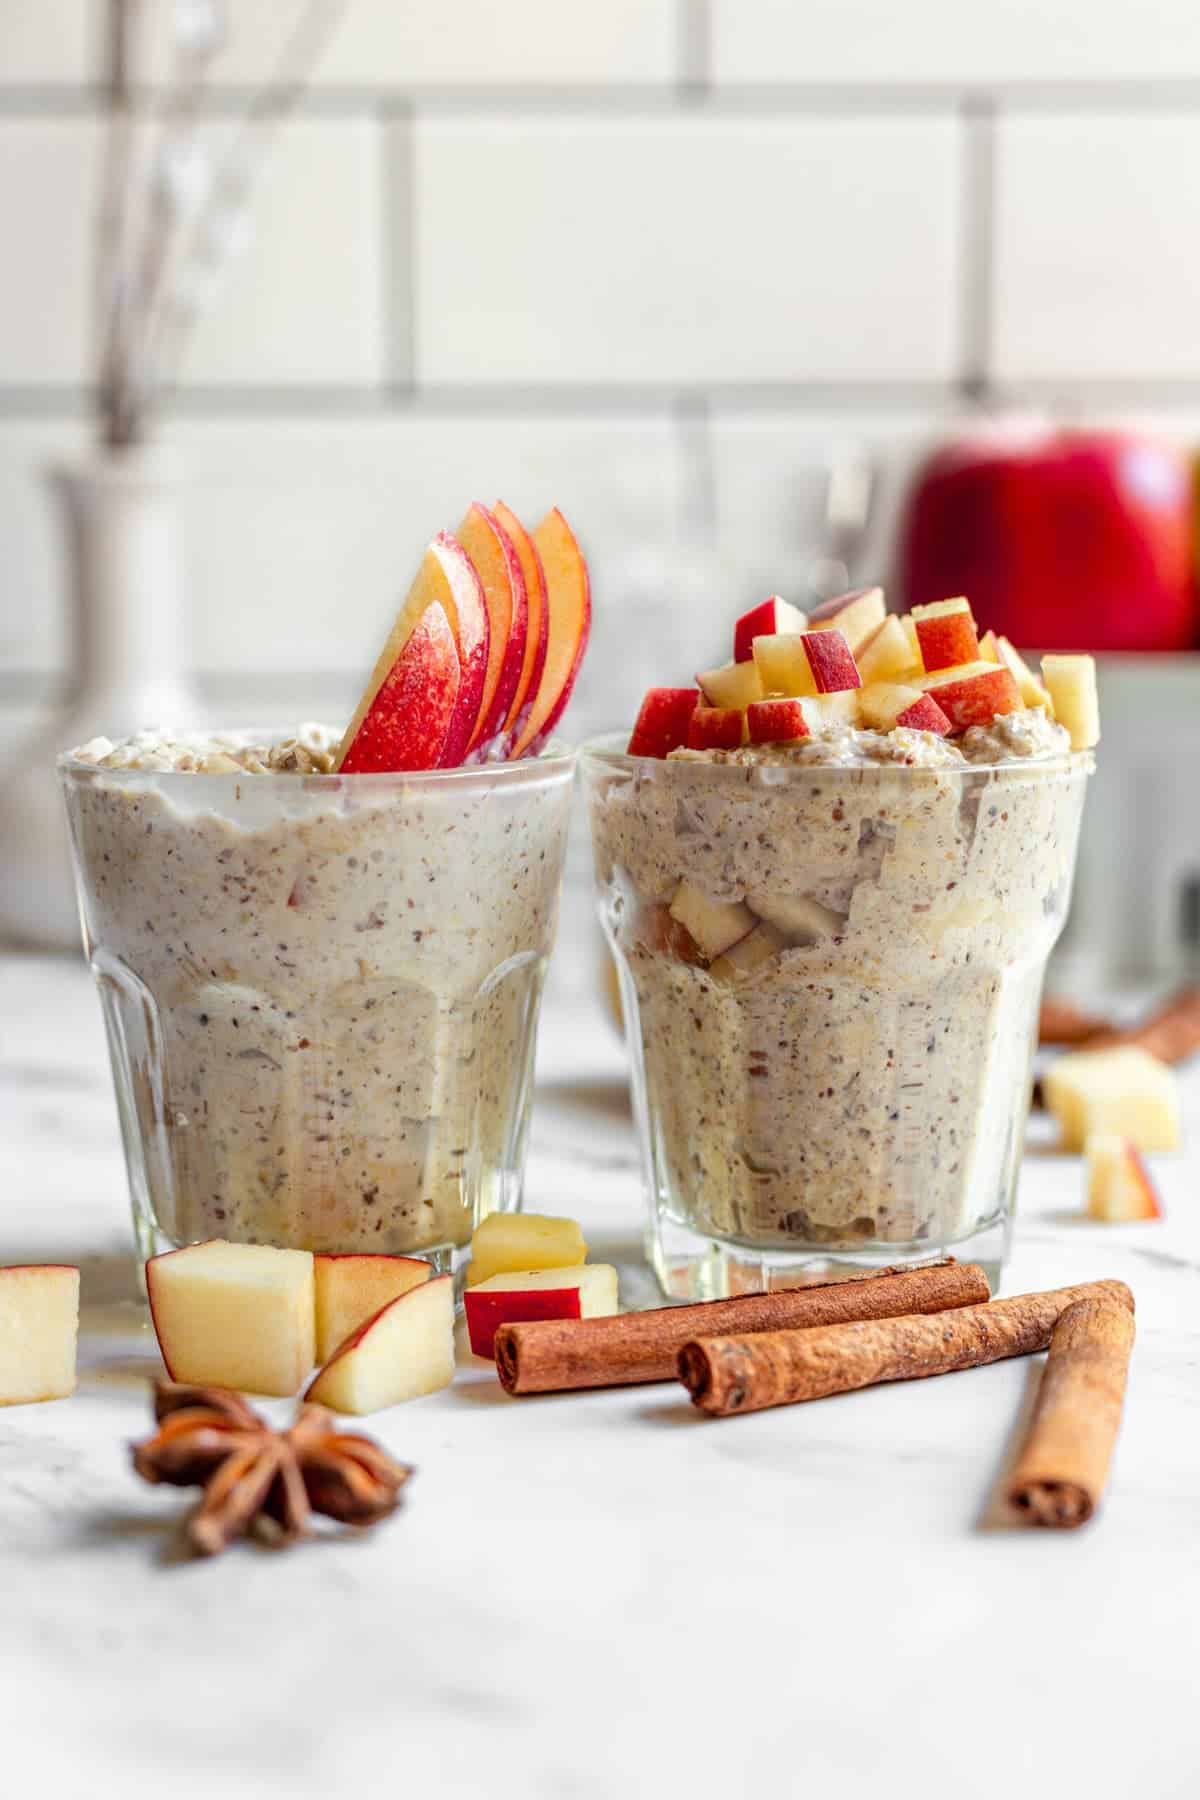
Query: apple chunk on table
x=1119 y=1188
x=1122 y=1092
x=505 y=1241
x=586 y=1292
x=973 y=694
x=351 y=1289
x=39 y=1330
x=406 y=1350
x=234 y=1315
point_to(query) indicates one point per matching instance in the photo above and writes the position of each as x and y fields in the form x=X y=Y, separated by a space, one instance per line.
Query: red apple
x=946 y=634
x=502 y=580
x=407 y=725
x=662 y=724
x=973 y=694
x=447 y=576
x=1070 y=540
x=925 y=715
x=569 y=599
x=833 y=668
x=716 y=728
x=585 y=1292
x=770 y=619
x=538 y=616
x=775 y=721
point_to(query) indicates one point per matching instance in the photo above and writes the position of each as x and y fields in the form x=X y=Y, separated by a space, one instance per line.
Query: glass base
x=446 y=1259
x=690 y=1266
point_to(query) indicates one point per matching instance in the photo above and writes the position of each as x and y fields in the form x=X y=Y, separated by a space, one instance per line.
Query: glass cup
x=321 y=994
x=830 y=979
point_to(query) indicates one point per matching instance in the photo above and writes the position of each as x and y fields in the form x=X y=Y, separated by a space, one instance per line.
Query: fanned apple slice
x=568 y=592
x=447 y=576
x=537 y=616
x=407 y=725
x=498 y=567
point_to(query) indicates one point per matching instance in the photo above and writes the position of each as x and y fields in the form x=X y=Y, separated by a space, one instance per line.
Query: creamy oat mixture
x=341 y=982
x=867 y=1080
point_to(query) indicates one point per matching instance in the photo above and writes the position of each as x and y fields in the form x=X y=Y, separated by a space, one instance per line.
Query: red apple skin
x=947 y=641
x=767 y=620
x=409 y=720
x=503 y=583
x=925 y=715
x=978 y=700
x=569 y=596
x=776 y=721
x=833 y=668
x=715 y=728
x=487 y=1312
x=1066 y=540
x=662 y=723
x=537 y=624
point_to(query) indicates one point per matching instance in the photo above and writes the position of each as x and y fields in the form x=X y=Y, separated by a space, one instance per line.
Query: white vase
x=128 y=644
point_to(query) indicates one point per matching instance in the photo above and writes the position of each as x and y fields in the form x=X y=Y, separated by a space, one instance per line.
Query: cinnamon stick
x=1063 y=1466
x=550 y=1355
x=1060 y=1023
x=727 y=1375
x=1172 y=1033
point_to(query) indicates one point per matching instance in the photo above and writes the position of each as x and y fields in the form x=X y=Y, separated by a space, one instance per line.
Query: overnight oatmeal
x=832 y=927
x=321 y=953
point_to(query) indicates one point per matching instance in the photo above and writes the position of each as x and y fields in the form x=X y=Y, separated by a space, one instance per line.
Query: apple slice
x=662 y=721
x=506 y=1241
x=512 y=1298
x=351 y=1289
x=406 y=1350
x=502 y=581
x=446 y=577
x=750 y=953
x=733 y=687
x=889 y=655
x=1071 y=683
x=410 y=721
x=857 y=615
x=537 y=628
x=1119 y=1187
x=39 y=1331
x=946 y=633
x=783 y=665
x=833 y=667
x=716 y=925
x=884 y=705
x=773 y=617
x=775 y=721
x=716 y=728
x=974 y=693
x=569 y=606
x=989 y=647
x=1123 y=1092
x=1028 y=686
x=234 y=1315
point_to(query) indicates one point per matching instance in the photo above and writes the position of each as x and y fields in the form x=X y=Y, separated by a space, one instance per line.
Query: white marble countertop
x=593 y=1595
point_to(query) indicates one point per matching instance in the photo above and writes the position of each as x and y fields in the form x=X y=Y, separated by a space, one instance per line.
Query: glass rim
x=558 y=757
x=605 y=750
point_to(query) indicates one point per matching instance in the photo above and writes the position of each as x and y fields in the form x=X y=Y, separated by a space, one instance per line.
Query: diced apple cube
x=1029 y=687
x=1071 y=683
x=716 y=925
x=783 y=665
x=351 y=1289
x=716 y=728
x=989 y=647
x=572 y=1293
x=833 y=667
x=507 y=1240
x=734 y=686
x=662 y=723
x=775 y=721
x=890 y=655
x=827 y=711
x=946 y=633
x=1123 y=1092
x=973 y=693
x=881 y=703
x=39 y=1330
x=1119 y=1187
x=857 y=615
x=773 y=616
x=925 y=715
x=405 y=1351
x=749 y=953
x=234 y=1315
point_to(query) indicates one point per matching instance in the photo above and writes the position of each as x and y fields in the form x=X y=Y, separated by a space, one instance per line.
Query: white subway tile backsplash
x=45 y=41
x=685 y=249
x=1096 y=262
x=302 y=305
x=932 y=41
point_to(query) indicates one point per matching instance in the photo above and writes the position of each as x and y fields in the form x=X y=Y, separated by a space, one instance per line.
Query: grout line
x=976 y=245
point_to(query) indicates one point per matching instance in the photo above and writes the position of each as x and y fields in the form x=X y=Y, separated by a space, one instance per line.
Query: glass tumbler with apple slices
x=320 y=959
x=830 y=940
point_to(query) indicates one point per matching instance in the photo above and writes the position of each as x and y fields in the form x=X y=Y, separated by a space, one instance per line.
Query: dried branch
x=114 y=227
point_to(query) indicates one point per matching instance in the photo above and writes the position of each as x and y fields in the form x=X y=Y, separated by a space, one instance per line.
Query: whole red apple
x=1064 y=540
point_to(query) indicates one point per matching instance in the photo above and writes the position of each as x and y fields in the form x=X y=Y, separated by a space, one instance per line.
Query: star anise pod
x=209 y=1437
